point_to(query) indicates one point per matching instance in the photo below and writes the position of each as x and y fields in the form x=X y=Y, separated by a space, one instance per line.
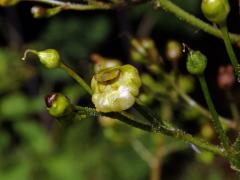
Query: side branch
x=189 y=18
x=169 y=131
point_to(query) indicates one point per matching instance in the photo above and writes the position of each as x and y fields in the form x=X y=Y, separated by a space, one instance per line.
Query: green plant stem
x=189 y=18
x=228 y=45
x=233 y=108
x=75 y=76
x=147 y=113
x=221 y=133
x=173 y=132
x=76 y=6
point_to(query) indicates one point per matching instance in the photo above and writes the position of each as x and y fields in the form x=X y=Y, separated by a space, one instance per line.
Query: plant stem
x=187 y=17
x=228 y=45
x=221 y=133
x=76 y=6
x=233 y=108
x=173 y=132
x=78 y=78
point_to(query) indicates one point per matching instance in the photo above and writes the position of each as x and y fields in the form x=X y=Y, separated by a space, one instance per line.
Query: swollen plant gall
x=115 y=89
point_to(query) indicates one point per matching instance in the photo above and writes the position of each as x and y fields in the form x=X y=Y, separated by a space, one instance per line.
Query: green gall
x=215 y=11
x=5 y=3
x=115 y=89
x=58 y=105
x=173 y=50
x=196 y=62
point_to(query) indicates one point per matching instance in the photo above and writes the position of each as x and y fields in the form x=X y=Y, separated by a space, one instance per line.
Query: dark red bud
x=49 y=99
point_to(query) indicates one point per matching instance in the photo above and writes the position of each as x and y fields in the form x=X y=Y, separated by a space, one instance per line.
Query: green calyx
x=5 y=3
x=196 y=62
x=50 y=58
x=215 y=11
x=58 y=105
x=115 y=89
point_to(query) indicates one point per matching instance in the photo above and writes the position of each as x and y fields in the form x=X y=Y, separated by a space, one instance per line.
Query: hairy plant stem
x=229 y=48
x=76 y=6
x=75 y=76
x=233 y=108
x=173 y=132
x=189 y=18
x=221 y=133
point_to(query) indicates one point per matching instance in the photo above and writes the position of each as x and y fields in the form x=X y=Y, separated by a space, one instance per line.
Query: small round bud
x=225 y=77
x=49 y=57
x=5 y=3
x=173 y=50
x=207 y=131
x=115 y=89
x=58 y=105
x=196 y=62
x=215 y=11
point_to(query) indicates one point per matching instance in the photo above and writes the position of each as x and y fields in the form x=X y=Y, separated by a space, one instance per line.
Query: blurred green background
x=34 y=145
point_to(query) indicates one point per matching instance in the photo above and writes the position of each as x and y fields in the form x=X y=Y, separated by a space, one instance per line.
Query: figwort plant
x=115 y=88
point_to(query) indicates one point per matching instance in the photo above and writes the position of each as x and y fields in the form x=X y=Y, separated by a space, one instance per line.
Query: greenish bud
x=196 y=62
x=5 y=3
x=115 y=89
x=144 y=51
x=173 y=50
x=215 y=11
x=49 y=57
x=58 y=105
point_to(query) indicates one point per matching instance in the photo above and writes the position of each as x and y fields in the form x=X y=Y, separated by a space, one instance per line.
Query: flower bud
x=225 y=77
x=215 y=11
x=115 y=89
x=173 y=50
x=58 y=105
x=5 y=3
x=49 y=57
x=144 y=51
x=196 y=62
